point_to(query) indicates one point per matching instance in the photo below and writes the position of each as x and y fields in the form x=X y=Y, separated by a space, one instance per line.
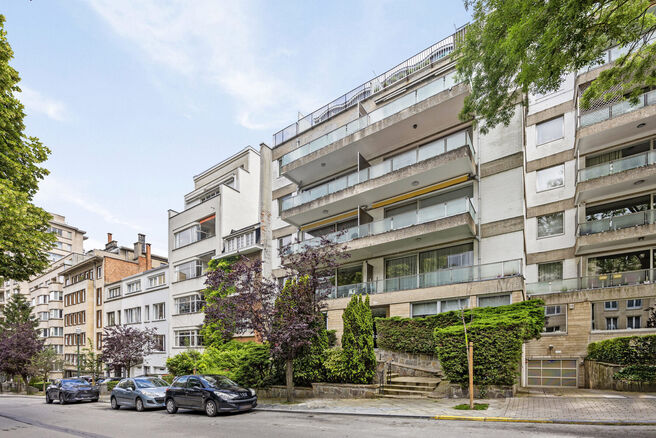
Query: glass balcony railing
x=617 y=166
x=613 y=110
x=425 y=152
x=423 y=215
x=617 y=222
x=644 y=276
x=440 y=84
x=461 y=274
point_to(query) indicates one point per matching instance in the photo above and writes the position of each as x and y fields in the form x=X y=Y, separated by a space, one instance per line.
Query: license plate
x=245 y=406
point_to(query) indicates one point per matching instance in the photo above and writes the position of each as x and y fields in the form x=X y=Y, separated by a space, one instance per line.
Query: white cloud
x=38 y=103
x=219 y=43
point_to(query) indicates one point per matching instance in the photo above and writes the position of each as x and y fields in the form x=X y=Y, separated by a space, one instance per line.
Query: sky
x=135 y=98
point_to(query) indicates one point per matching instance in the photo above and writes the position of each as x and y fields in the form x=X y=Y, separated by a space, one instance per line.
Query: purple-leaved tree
x=125 y=346
x=18 y=346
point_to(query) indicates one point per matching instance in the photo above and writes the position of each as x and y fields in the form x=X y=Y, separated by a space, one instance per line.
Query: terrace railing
x=617 y=222
x=617 y=166
x=597 y=281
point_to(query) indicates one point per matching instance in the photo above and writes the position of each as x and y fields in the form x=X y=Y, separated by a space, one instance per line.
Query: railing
x=461 y=274
x=612 y=54
x=424 y=152
x=592 y=282
x=443 y=83
x=617 y=222
x=403 y=220
x=617 y=166
x=245 y=240
x=616 y=109
x=419 y=61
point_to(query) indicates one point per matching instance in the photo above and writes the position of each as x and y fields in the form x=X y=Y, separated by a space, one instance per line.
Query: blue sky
x=134 y=98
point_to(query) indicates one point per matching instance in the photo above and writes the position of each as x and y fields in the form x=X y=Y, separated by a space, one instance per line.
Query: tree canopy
x=516 y=47
x=24 y=236
x=125 y=346
x=17 y=311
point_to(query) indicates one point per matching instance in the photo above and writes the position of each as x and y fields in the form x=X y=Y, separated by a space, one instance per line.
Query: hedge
x=637 y=373
x=628 y=350
x=111 y=384
x=247 y=363
x=416 y=335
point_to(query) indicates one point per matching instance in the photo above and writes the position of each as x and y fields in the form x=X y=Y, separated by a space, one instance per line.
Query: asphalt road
x=30 y=417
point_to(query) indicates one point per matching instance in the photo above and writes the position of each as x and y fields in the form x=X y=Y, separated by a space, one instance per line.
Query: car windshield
x=219 y=381
x=150 y=382
x=74 y=382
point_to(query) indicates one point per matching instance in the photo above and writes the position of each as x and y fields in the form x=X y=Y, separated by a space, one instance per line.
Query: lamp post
x=77 y=339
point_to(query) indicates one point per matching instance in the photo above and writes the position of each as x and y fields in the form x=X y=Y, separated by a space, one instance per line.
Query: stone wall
x=280 y=391
x=408 y=364
x=321 y=390
x=450 y=390
x=599 y=375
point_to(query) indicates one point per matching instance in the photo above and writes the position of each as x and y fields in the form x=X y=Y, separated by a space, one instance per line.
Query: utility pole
x=471 y=374
x=77 y=339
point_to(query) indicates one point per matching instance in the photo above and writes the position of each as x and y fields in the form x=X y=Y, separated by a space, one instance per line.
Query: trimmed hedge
x=247 y=363
x=637 y=373
x=416 y=335
x=627 y=350
x=111 y=385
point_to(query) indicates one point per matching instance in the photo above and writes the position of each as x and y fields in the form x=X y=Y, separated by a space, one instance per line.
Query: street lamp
x=77 y=338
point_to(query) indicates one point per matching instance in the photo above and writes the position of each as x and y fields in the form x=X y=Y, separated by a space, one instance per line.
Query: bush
x=247 y=363
x=334 y=366
x=168 y=378
x=332 y=338
x=309 y=366
x=628 y=350
x=416 y=335
x=111 y=384
x=183 y=363
x=637 y=373
x=37 y=385
x=358 y=342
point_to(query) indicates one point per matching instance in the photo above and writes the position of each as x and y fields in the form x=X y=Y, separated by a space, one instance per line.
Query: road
x=31 y=417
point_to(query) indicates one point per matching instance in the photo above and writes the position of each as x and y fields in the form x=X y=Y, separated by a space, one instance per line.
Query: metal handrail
x=616 y=166
x=598 y=281
x=646 y=217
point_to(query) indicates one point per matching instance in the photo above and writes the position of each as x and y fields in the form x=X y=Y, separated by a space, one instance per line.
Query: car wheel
x=139 y=405
x=61 y=399
x=114 y=403
x=48 y=399
x=171 y=408
x=210 y=408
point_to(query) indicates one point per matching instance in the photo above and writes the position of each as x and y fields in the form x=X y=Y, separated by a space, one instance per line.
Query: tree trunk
x=289 y=379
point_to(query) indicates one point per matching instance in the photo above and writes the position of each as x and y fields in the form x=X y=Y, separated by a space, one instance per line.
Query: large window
x=631 y=261
x=135 y=286
x=56 y=295
x=550 y=130
x=133 y=315
x=160 y=343
x=189 y=304
x=191 y=269
x=550 y=271
x=434 y=307
x=204 y=229
x=188 y=338
x=550 y=225
x=633 y=322
x=158 y=312
x=550 y=178
x=494 y=301
x=424 y=309
x=400 y=273
x=349 y=275
x=56 y=313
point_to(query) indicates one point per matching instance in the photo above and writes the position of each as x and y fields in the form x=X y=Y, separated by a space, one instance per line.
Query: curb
x=466 y=418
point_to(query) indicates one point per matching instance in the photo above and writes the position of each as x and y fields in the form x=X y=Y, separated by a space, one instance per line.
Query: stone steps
x=409 y=386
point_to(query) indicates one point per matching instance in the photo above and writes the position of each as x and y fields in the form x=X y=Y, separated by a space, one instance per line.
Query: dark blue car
x=210 y=393
x=72 y=390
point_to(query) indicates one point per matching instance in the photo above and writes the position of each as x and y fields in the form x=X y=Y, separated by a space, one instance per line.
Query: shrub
x=334 y=366
x=358 y=342
x=332 y=338
x=247 y=363
x=37 y=385
x=309 y=366
x=168 y=378
x=111 y=385
x=628 y=350
x=183 y=363
x=637 y=373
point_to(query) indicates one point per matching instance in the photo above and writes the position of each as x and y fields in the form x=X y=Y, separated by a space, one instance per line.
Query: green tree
x=17 y=311
x=91 y=362
x=45 y=362
x=514 y=47
x=216 y=332
x=184 y=363
x=24 y=236
x=359 y=359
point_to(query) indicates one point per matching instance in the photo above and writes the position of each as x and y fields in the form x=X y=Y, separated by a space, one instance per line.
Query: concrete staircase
x=408 y=386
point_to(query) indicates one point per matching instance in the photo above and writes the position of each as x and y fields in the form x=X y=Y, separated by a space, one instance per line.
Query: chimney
x=149 y=260
x=109 y=237
x=139 y=246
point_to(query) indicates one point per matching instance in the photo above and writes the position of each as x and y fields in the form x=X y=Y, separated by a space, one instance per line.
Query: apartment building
x=141 y=300
x=431 y=210
x=84 y=283
x=221 y=217
x=590 y=232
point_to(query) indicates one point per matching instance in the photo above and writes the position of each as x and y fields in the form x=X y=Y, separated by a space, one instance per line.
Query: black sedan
x=210 y=393
x=71 y=390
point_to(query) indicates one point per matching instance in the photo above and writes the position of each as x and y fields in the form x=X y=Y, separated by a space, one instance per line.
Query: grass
x=477 y=406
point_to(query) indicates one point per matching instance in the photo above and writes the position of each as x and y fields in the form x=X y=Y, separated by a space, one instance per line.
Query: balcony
x=617 y=177
x=463 y=274
x=599 y=281
x=449 y=221
x=241 y=243
x=616 y=232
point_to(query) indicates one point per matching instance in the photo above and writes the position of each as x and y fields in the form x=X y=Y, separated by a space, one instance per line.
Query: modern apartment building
x=141 y=300
x=84 y=283
x=220 y=217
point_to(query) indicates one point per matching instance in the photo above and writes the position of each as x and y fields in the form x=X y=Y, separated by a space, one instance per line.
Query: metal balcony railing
x=460 y=274
x=414 y=64
x=614 y=109
x=617 y=166
x=423 y=215
x=617 y=222
x=598 y=281
x=425 y=152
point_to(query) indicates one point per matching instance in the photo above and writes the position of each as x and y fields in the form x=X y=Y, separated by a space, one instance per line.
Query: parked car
x=106 y=380
x=211 y=393
x=139 y=392
x=70 y=390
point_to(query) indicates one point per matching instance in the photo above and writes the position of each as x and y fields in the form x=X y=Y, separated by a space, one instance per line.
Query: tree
x=125 y=346
x=516 y=47
x=18 y=346
x=215 y=332
x=183 y=363
x=17 y=311
x=24 y=236
x=45 y=362
x=91 y=362
x=359 y=358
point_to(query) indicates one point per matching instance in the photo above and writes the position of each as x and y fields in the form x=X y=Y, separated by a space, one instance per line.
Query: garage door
x=552 y=372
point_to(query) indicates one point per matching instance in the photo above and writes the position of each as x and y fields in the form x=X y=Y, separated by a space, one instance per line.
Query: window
x=191 y=269
x=550 y=225
x=133 y=315
x=160 y=344
x=188 y=338
x=111 y=319
x=56 y=313
x=449 y=305
x=99 y=340
x=189 y=304
x=494 y=301
x=424 y=309
x=98 y=318
x=610 y=305
x=114 y=292
x=59 y=349
x=146 y=313
x=42 y=299
x=158 y=312
x=157 y=280
x=611 y=323
x=43 y=316
x=634 y=304
x=56 y=295
x=99 y=296
x=552 y=310
x=56 y=331
x=284 y=242
x=550 y=130
x=135 y=286
x=633 y=322
x=550 y=178
x=548 y=272
x=204 y=229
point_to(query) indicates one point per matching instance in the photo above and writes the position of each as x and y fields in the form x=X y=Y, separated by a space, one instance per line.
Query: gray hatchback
x=139 y=392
